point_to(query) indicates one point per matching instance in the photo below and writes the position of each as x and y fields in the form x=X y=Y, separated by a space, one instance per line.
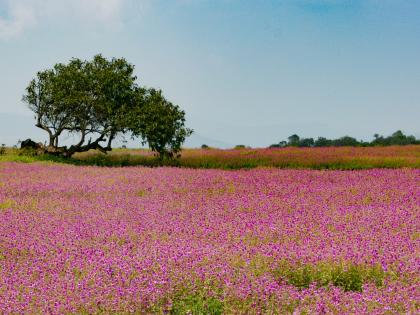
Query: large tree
x=95 y=101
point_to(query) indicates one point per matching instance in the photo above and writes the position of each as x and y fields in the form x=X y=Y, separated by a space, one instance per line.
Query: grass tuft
x=349 y=277
x=7 y=204
x=196 y=304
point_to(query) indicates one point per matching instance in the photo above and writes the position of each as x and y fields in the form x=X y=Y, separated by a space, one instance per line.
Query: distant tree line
x=397 y=138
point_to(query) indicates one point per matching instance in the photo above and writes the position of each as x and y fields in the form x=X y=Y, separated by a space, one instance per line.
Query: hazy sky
x=245 y=72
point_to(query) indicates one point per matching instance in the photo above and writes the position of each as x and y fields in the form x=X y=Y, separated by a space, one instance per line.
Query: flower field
x=83 y=239
x=334 y=158
x=311 y=158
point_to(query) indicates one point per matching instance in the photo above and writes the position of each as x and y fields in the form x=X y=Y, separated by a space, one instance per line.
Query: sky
x=245 y=72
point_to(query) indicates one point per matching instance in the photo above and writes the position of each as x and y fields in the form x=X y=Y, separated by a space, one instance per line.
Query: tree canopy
x=397 y=138
x=97 y=100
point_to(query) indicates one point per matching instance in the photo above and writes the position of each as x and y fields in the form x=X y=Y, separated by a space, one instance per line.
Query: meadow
x=99 y=240
x=335 y=158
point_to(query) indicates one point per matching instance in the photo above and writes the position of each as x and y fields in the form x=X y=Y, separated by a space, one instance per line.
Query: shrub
x=197 y=304
x=28 y=152
x=349 y=277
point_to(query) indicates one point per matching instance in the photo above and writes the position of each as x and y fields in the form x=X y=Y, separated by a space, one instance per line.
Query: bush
x=349 y=277
x=28 y=152
x=197 y=304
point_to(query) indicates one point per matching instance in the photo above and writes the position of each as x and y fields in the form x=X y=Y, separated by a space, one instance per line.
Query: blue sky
x=245 y=72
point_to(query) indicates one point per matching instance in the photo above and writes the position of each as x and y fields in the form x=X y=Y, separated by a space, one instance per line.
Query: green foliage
x=3 y=149
x=88 y=99
x=346 y=141
x=196 y=297
x=30 y=152
x=7 y=204
x=196 y=303
x=397 y=138
x=306 y=142
x=293 y=140
x=160 y=123
x=322 y=142
x=348 y=277
x=281 y=144
x=97 y=100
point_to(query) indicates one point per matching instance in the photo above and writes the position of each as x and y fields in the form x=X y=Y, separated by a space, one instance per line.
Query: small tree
x=159 y=123
x=306 y=142
x=293 y=140
x=322 y=142
x=346 y=141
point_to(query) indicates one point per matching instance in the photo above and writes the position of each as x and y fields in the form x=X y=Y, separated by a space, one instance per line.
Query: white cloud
x=19 y=17
x=22 y=15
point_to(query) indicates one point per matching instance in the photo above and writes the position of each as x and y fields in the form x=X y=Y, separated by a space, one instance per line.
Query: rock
x=29 y=143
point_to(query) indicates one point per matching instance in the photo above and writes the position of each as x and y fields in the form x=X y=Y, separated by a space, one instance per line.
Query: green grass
x=209 y=297
x=6 y=204
x=292 y=158
x=197 y=297
x=349 y=277
x=196 y=303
